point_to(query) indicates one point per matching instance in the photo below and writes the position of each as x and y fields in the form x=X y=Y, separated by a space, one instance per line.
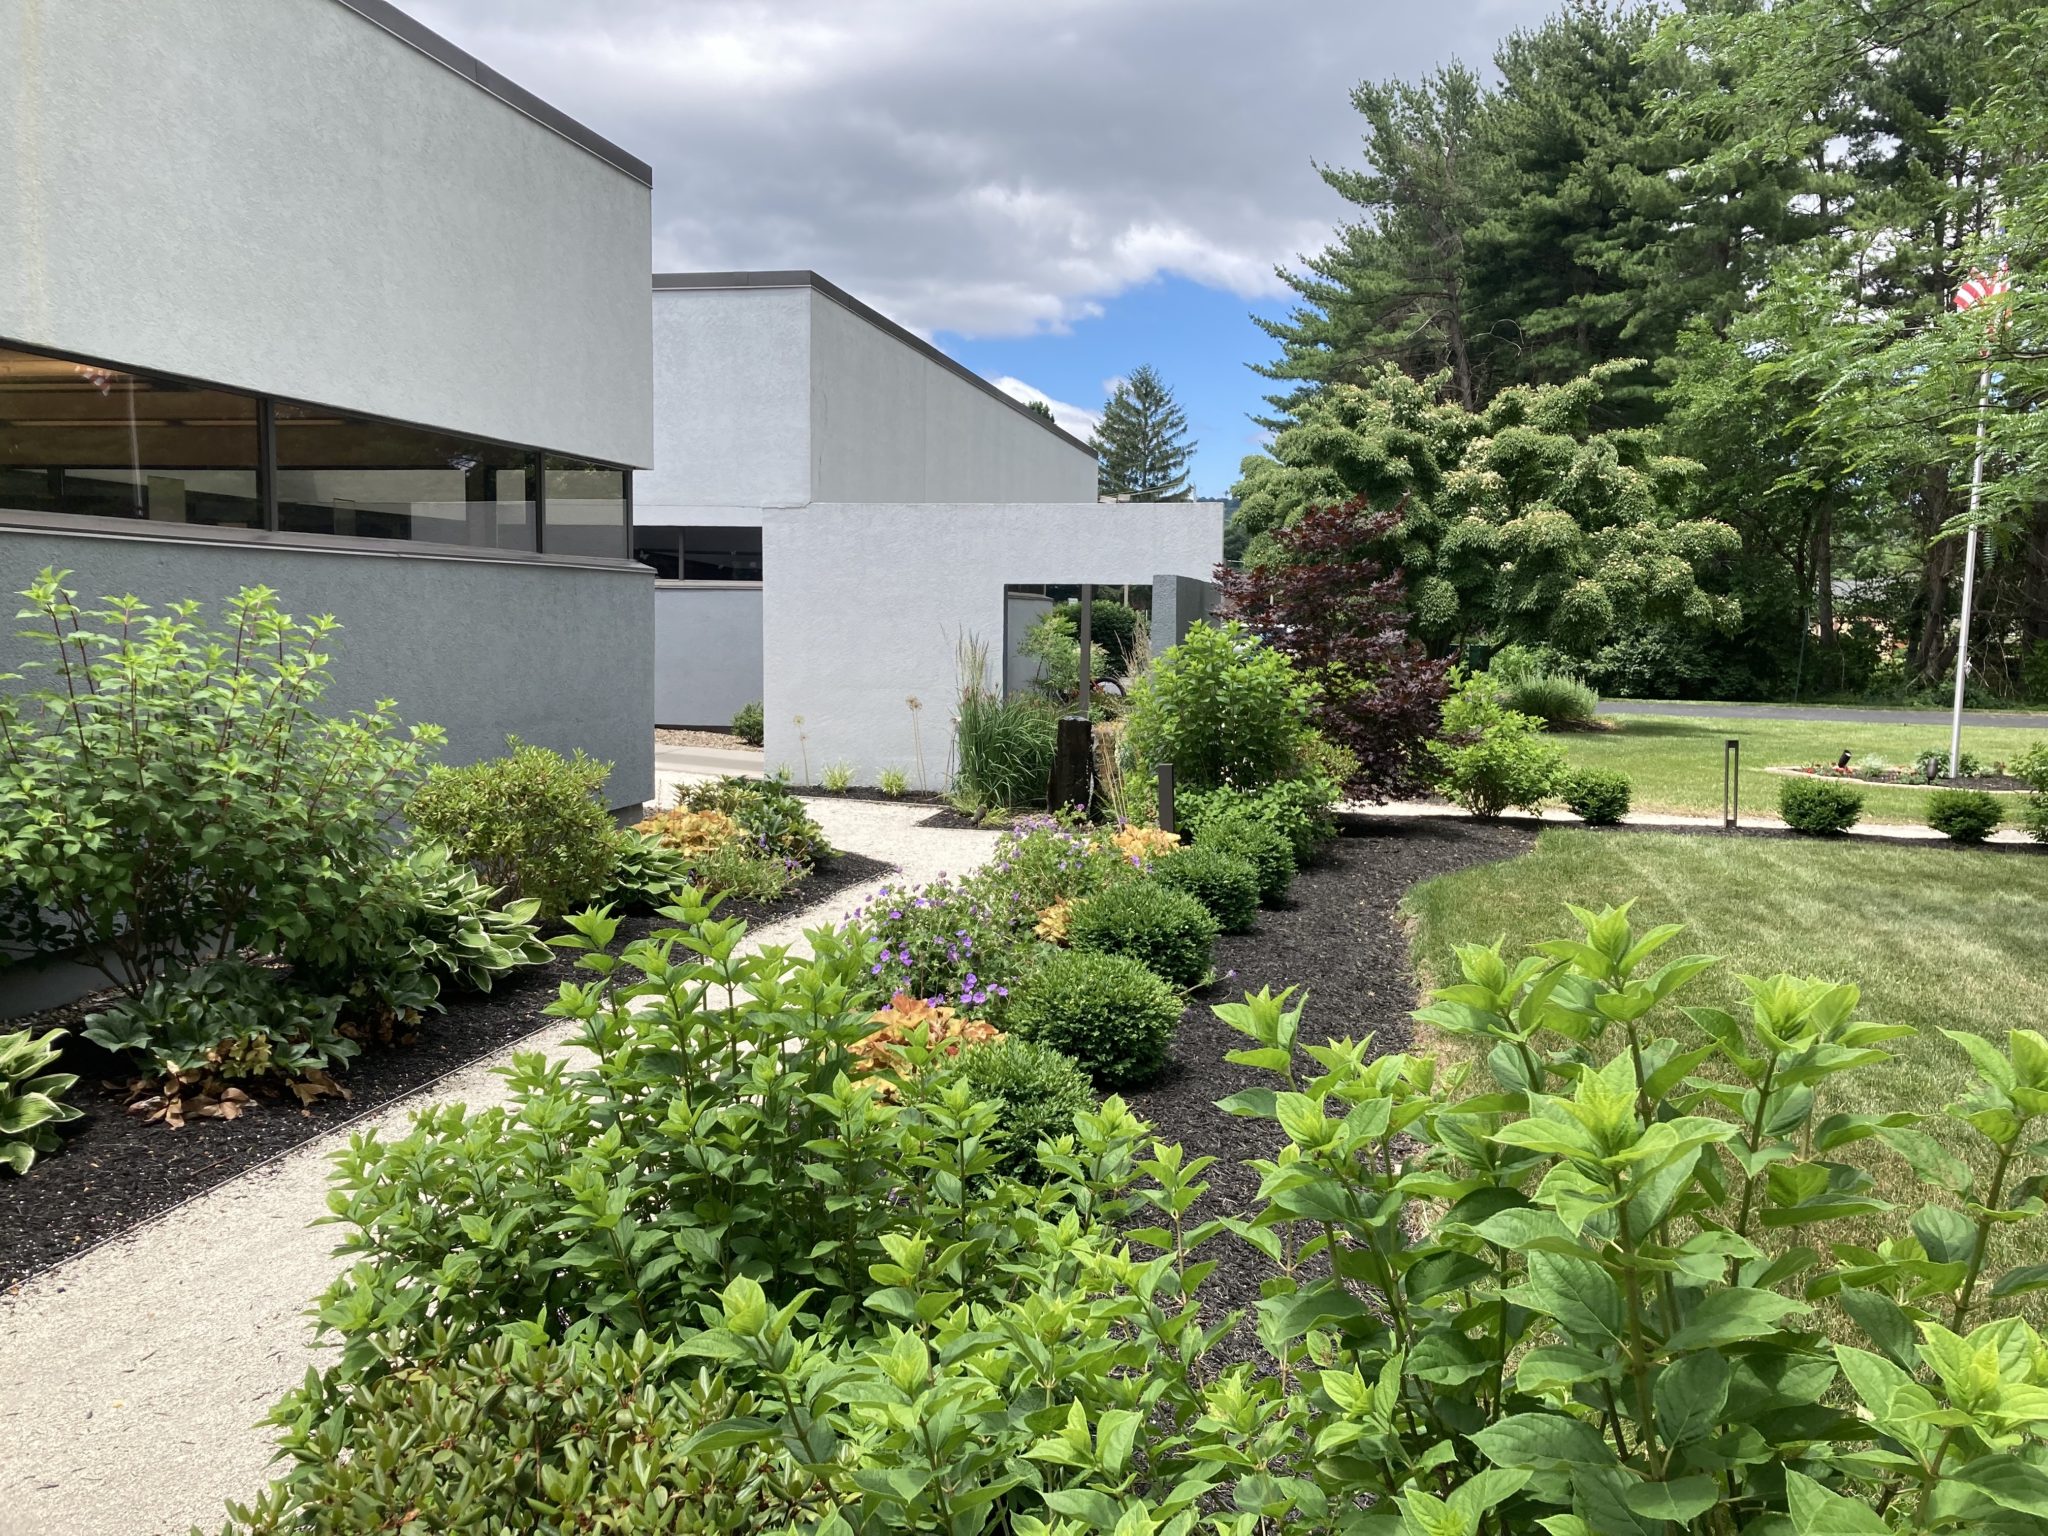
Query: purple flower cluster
x=949 y=942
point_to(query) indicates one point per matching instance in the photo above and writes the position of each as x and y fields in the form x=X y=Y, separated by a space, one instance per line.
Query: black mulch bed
x=115 y=1171
x=1340 y=938
x=868 y=792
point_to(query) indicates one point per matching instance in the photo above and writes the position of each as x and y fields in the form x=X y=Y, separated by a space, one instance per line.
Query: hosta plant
x=31 y=1097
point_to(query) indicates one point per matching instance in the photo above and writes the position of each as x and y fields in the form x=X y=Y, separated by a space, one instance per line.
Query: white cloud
x=989 y=170
x=1082 y=423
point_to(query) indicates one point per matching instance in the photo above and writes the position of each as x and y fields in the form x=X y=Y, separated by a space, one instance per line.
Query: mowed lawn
x=1675 y=764
x=1934 y=936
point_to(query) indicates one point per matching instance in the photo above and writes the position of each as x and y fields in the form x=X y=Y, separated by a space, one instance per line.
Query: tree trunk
x=1927 y=658
x=1824 y=575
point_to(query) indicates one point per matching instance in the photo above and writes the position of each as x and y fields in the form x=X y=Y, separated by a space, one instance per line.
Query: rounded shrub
x=1967 y=815
x=1597 y=795
x=1037 y=1092
x=1223 y=707
x=1110 y=1013
x=532 y=823
x=1168 y=930
x=1259 y=844
x=749 y=725
x=1819 y=807
x=1225 y=883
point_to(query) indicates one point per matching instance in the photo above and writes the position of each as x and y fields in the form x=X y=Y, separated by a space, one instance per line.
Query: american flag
x=1977 y=288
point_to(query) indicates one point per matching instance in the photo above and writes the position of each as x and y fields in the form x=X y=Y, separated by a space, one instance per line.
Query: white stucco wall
x=889 y=423
x=864 y=603
x=707 y=652
x=732 y=412
x=281 y=196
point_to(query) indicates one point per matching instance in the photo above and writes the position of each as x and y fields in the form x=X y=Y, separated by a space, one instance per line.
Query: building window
x=85 y=438
x=75 y=437
x=379 y=480
x=699 y=553
x=586 y=508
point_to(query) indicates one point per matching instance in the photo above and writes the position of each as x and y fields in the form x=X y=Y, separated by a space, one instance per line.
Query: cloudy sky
x=1054 y=192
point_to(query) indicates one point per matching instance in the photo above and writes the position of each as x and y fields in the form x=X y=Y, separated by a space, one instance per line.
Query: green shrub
x=1298 y=808
x=1599 y=796
x=1233 y=831
x=893 y=783
x=1036 y=1092
x=31 y=1097
x=838 y=777
x=2031 y=768
x=226 y=1019
x=172 y=793
x=532 y=823
x=540 y=1437
x=646 y=872
x=1967 y=815
x=1490 y=757
x=957 y=942
x=778 y=822
x=1932 y=764
x=1223 y=707
x=1819 y=806
x=1168 y=930
x=1110 y=1013
x=1045 y=859
x=1223 y=882
x=749 y=725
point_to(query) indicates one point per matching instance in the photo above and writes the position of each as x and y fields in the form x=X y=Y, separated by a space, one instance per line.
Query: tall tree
x=1038 y=408
x=1142 y=447
x=1392 y=288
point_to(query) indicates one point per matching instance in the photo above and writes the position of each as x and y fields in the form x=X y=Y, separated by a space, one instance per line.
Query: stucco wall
x=732 y=415
x=865 y=603
x=707 y=653
x=558 y=655
x=281 y=196
x=890 y=424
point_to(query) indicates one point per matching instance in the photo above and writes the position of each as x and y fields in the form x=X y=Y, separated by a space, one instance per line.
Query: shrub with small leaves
x=1036 y=1090
x=1258 y=843
x=532 y=823
x=1167 y=929
x=1298 y=807
x=1819 y=807
x=1932 y=764
x=1112 y=1014
x=1225 y=883
x=1491 y=757
x=749 y=724
x=31 y=1097
x=1967 y=815
x=1223 y=707
x=1600 y=796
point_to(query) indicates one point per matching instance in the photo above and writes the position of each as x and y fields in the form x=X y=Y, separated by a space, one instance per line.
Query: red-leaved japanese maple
x=1342 y=617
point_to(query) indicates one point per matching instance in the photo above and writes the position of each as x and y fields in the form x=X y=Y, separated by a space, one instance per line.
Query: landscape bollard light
x=1731 y=784
x=1165 y=772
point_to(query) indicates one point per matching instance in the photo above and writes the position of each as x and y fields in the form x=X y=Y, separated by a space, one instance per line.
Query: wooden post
x=1087 y=646
x=1073 y=765
x=1165 y=773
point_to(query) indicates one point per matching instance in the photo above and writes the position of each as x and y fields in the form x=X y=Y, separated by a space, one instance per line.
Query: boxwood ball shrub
x=1967 y=815
x=1036 y=1090
x=1819 y=807
x=533 y=823
x=1258 y=843
x=749 y=725
x=1110 y=1013
x=1168 y=930
x=1597 y=795
x=1226 y=883
x=1298 y=808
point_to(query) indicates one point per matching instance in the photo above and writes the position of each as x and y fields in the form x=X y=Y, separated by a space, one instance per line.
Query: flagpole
x=1955 y=724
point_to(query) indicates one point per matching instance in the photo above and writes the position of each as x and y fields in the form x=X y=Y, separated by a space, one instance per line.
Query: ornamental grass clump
x=1165 y=929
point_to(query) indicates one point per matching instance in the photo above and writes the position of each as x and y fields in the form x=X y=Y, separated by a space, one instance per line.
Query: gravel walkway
x=133 y=1379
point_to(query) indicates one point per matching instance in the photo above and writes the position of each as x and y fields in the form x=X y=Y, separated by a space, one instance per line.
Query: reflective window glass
x=660 y=548
x=380 y=480
x=585 y=509
x=722 y=554
x=75 y=437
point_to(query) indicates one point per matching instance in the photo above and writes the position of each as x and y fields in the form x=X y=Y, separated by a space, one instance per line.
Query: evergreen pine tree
x=1038 y=408
x=1142 y=446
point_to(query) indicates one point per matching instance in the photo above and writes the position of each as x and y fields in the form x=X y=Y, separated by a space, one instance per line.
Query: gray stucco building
x=364 y=321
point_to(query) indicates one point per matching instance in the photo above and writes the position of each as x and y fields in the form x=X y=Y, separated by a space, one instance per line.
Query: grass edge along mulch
x=114 y=1173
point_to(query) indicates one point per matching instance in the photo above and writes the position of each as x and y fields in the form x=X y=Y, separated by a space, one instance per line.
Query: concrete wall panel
x=707 y=653
x=732 y=408
x=281 y=196
x=865 y=604
x=558 y=655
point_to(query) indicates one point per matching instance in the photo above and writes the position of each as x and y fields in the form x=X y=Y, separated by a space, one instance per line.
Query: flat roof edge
x=389 y=18
x=669 y=282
